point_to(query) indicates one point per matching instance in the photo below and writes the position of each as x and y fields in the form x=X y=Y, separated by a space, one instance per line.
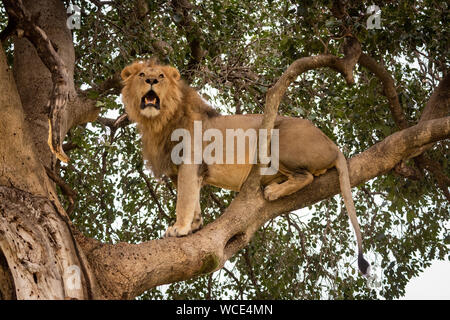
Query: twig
x=8 y=31
x=153 y=193
x=112 y=85
x=250 y=271
x=232 y=276
x=120 y=122
x=168 y=183
x=217 y=201
x=100 y=3
x=65 y=188
x=389 y=89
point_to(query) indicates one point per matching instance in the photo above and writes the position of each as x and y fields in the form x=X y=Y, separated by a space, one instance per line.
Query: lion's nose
x=151 y=81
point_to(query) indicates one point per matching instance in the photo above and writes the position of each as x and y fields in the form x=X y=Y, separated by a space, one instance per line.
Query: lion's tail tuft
x=344 y=181
x=363 y=265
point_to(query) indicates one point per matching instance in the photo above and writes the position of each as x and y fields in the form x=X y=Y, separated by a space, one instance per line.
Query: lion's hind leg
x=295 y=182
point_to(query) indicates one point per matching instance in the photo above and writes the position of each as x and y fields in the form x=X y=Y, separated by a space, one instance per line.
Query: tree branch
x=389 y=89
x=112 y=85
x=65 y=188
x=81 y=110
x=184 y=21
x=439 y=103
x=345 y=66
x=126 y=270
x=121 y=121
x=152 y=193
x=437 y=106
x=375 y=161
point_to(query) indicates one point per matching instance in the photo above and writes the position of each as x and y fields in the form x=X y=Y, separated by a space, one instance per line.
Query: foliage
x=246 y=45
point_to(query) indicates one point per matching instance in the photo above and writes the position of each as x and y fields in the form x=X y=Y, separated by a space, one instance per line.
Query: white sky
x=433 y=283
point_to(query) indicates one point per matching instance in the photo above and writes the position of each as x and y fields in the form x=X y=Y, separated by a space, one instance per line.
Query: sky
x=432 y=284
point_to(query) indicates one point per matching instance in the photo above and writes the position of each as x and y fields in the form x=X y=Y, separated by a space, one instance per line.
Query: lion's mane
x=180 y=106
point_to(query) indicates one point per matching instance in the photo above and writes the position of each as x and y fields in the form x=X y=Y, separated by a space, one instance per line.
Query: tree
x=90 y=229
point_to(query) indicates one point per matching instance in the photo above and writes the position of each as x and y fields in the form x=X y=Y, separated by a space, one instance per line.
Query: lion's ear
x=130 y=70
x=173 y=72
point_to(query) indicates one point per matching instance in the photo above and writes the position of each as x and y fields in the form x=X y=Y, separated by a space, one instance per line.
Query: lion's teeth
x=152 y=101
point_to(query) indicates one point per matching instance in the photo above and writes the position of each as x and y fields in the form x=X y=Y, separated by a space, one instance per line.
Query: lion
x=160 y=102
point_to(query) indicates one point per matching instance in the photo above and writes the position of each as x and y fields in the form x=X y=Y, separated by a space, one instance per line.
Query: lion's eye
x=141 y=74
x=161 y=75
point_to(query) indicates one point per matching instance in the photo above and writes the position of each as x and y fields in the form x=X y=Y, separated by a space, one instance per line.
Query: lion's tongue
x=152 y=101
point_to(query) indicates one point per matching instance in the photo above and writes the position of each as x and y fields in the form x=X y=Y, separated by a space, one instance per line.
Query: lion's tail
x=344 y=181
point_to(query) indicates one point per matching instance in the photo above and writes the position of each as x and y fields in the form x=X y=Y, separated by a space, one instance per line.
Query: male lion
x=160 y=102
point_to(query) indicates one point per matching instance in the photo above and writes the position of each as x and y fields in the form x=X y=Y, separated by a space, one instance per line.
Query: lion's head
x=151 y=92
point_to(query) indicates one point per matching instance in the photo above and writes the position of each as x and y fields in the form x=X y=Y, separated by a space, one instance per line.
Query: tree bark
x=35 y=233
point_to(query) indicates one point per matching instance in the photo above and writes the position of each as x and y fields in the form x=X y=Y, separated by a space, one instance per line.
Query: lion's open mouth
x=150 y=99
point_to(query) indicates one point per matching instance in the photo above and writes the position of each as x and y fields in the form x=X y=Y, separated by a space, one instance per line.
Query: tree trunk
x=36 y=242
x=35 y=85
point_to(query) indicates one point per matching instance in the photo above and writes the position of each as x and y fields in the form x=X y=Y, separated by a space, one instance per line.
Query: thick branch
x=437 y=106
x=112 y=85
x=342 y=65
x=126 y=270
x=184 y=21
x=439 y=103
x=81 y=110
x=389 y=89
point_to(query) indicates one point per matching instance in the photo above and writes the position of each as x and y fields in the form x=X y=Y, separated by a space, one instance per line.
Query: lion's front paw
x=177 y=231
x=272 y=192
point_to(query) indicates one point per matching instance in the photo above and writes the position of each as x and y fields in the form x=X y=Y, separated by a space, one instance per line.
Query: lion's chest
x=156 y=150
